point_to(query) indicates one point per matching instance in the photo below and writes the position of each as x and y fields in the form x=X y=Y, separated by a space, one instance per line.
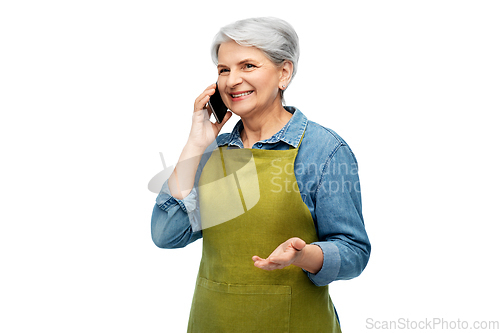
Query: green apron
x=250 y=204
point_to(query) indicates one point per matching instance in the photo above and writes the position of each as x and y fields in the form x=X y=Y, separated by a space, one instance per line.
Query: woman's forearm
x=181 y=181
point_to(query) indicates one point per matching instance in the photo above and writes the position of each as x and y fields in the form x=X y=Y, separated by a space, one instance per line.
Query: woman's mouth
x=239 y=95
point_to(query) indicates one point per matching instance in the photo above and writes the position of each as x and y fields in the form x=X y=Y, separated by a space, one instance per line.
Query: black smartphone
x=217 y=106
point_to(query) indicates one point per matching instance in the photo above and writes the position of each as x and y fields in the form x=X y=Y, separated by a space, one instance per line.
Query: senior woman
x=277 y=200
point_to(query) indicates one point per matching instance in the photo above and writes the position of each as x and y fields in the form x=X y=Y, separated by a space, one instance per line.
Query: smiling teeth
x=242 y=94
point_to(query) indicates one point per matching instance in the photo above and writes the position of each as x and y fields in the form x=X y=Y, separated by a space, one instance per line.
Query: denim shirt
x=326 y=171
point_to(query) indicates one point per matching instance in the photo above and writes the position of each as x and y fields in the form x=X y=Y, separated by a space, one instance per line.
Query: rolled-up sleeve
x=176 y=223
x=171 y=219
x=341 y=230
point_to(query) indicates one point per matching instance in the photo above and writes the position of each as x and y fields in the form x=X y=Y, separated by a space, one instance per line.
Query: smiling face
x=248 y=81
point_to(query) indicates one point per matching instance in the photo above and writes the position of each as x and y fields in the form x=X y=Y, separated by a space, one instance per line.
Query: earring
x=283 y=86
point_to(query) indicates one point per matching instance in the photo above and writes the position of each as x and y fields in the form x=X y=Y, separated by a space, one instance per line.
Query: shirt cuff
x=189 y=204
x=331 y=264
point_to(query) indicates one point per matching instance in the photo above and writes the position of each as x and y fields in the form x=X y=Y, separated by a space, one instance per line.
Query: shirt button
x=259 y=145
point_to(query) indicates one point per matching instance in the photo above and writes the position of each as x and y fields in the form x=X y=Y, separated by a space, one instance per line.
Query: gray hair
x=275 y=37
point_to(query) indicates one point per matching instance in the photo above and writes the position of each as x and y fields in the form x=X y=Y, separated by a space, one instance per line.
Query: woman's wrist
x=193 y=150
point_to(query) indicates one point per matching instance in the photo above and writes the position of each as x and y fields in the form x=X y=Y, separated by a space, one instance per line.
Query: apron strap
x=222 y=160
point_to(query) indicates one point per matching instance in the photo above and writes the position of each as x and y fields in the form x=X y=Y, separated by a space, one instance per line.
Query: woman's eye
x=223 y=70
x=248 y=66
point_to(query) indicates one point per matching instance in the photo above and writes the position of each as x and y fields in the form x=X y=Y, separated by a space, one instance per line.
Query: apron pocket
x=220 y=307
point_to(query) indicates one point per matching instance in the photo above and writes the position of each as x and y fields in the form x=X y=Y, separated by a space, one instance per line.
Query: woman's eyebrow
x=246 y=60
x=239 y=63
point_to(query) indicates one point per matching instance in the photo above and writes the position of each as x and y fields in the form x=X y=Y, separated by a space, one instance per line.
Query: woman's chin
x=240 y=111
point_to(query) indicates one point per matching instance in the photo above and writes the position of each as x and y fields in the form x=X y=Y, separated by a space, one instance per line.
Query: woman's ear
x=286 y=74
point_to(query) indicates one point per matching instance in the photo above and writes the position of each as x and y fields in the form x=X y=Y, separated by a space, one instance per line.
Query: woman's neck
x=263 y=126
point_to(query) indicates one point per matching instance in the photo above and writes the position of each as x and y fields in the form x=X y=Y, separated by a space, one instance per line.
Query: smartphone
x=217 y=106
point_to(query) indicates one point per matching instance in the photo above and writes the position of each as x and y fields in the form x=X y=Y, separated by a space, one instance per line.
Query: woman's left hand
x=285 y=254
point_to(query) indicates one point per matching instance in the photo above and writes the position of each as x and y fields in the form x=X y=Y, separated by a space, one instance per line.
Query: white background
x=92 y=91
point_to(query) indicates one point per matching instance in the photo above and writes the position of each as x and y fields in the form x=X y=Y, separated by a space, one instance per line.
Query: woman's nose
x=234 y=79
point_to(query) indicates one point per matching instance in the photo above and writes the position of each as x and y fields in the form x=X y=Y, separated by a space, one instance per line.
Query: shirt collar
x=291 y=133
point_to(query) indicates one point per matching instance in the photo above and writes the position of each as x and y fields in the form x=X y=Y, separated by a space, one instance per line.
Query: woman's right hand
x=203 y=131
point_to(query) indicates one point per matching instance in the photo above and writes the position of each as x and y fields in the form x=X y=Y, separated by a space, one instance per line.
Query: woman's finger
x=269 y=266
x=256 y=258
x=224 y=120
x=202 y=100
x=298 y=244
x=200 y=104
